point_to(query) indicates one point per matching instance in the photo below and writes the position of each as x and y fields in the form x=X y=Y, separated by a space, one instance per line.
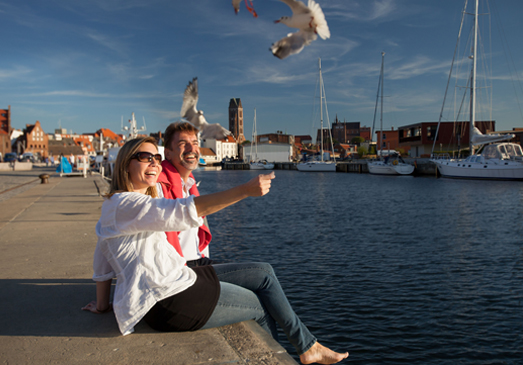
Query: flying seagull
x=310 y=21
x=195 y=116
x=248 y=5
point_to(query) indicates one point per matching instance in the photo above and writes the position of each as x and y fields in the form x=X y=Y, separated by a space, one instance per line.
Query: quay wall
x=48 y=239
x=16 y=166
x=422 y=166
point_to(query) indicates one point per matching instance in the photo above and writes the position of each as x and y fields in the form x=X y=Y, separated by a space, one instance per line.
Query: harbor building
x=236 y=120
x=34 y=140
x=272 y=152
x=273 y=147
x=303 y=139
x=452 y=137
x=222 y=148
x=343 y=132
x=5 y=131
x=389 y=140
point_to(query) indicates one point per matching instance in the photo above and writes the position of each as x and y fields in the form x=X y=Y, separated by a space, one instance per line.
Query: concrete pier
x=47 y=241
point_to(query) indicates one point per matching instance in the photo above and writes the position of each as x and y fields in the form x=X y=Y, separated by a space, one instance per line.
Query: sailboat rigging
x=498 y=161
x=256 y=164
x=321 y=165
x=392 y=164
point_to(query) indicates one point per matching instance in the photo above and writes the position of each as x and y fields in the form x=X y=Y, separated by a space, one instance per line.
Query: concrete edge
x=254 y=345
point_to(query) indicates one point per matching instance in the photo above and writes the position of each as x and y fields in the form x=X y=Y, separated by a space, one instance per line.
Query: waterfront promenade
x=47 y=240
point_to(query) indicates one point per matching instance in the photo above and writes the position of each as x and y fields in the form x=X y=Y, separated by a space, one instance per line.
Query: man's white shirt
x=189 y=240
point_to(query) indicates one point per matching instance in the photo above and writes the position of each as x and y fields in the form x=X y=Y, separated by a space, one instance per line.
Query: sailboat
x=392 y=164
x=321 y=165
x=497 y=161
x=256 y=164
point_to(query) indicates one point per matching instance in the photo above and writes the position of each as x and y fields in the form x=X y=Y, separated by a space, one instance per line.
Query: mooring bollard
x=44 y=178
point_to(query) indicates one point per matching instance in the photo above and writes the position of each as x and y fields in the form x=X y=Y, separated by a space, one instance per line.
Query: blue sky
x=85 y=64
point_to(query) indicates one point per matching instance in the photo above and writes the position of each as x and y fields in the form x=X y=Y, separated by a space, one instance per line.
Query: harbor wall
x=16 y=166
x=421 y=166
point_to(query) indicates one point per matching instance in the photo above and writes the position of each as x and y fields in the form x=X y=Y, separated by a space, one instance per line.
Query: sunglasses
x=147 y=157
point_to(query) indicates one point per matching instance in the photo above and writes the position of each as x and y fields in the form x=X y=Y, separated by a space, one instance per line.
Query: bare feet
x=321 y=355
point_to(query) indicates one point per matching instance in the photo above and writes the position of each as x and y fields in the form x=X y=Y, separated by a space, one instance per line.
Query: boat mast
x=254 y=141
x=321 y=109
x=381 y=107
x=473 y=81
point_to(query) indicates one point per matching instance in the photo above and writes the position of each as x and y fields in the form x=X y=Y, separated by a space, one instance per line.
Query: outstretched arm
x=103 y=293
x=211 y=203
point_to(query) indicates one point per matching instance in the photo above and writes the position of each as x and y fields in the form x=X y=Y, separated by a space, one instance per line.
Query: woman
x=153 y=282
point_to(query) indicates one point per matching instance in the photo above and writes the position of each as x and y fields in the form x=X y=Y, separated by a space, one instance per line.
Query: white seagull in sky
x=309 y=19
x=195 y=116
x=248 y=5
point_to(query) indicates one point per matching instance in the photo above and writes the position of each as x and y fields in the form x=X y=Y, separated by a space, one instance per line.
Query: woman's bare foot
x=321 y=355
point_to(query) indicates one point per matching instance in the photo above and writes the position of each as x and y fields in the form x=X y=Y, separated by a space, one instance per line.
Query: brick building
x=343 y=132
x=275 y=138
x=236 y=120
x=452 y=136
x=5 y=131
x=388 y=140
x=366 y=133
x=35 y=140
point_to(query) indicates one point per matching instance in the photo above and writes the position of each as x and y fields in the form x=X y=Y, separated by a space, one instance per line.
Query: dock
x=422 y=166
x=47 y=241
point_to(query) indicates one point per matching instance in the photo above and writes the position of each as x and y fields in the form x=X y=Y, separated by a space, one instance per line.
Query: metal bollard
x=44 y=178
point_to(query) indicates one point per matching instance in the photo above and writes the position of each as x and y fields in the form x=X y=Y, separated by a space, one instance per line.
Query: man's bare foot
x=321 y=355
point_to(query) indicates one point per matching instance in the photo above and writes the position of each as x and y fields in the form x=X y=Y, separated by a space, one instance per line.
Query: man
x=181 y=158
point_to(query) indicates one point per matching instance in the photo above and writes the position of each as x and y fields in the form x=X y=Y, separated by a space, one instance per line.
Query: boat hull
x=316 y=167
x=261 y=166
x=480 y=171
x=381 y=168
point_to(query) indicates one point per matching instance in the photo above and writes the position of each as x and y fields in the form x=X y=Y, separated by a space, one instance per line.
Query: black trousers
x=201 y=262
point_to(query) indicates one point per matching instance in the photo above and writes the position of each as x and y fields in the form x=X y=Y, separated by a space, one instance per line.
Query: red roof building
x=5 y=131
x=35 y=140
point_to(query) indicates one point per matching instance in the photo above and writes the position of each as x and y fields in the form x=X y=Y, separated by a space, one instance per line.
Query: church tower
x=236 y=120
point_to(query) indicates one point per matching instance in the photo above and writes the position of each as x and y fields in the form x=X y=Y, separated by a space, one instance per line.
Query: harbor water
x=395 y=270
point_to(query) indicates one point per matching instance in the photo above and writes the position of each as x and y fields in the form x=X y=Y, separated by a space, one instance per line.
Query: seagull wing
x=214 y=131
x=190 y=99
x=320 y=23
x=236 y=5
x=293 y=43
x=297 y=7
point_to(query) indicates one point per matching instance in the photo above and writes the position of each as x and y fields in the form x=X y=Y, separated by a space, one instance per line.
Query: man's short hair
x=177 y=127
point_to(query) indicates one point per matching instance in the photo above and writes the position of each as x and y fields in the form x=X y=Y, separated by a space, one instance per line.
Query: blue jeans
x=252 y=291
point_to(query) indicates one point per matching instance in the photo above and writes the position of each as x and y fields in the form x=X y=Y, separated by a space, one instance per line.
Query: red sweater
x=172 y=189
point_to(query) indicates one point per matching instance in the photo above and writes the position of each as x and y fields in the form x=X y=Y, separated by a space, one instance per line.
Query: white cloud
x=15 y=72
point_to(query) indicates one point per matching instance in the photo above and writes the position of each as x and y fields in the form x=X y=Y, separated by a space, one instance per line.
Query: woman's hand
x=91 y=307
x=260 y=185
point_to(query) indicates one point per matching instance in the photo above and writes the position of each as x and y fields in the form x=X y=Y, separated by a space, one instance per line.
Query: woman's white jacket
x=132 y=247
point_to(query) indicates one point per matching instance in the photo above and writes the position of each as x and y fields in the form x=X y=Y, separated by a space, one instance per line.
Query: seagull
x=310 y=21
x=195 y=116
x=250 y=8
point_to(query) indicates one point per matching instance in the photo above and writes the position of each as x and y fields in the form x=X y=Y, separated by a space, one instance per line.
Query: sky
x=86 y=65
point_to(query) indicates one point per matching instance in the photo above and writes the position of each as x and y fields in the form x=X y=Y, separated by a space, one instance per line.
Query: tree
x=362 y=151
x=357 y=140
